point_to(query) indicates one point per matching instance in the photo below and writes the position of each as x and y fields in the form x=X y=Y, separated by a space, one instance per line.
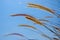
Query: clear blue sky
x=10 y=24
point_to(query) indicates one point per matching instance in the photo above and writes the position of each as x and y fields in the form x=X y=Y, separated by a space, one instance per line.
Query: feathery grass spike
x=40 y=7
x=43 y=8
x=28 y=26
x=34 y=20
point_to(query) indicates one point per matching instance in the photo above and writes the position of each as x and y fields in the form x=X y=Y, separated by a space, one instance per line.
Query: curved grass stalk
x=25 y=25
x=17 y=34
x=43 y=8
x=34 y=20
x=40 y=7
x=19 y=15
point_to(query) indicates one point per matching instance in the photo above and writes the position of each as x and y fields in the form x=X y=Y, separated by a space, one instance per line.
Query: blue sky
x=10 y=24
